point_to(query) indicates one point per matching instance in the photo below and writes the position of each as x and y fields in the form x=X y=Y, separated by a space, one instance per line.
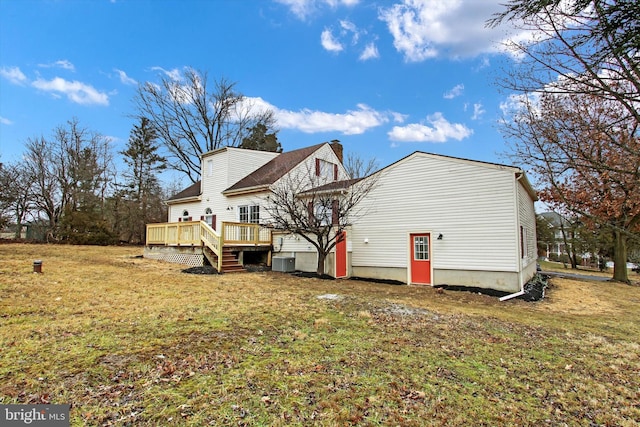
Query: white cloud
x=124 y=78
x=76 y=91
x=5 y=121
x=437 y=129
x=517 y=101
x=63 y=63
x=352 y=122
x=350 y=27
x=349 y=34
x=484 y=63
x=478 y=111
x=14 y=75
x=454 y=92
x=398 y=117
x=370 y=52
x=329 y=42
x=424 y=29
x=303 y=8
x=174 y=74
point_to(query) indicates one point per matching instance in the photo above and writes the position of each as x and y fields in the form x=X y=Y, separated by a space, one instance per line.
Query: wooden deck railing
x=242 y=233
x=197 y=233
x=194 y=233
x=174 y=233
x=213 y=241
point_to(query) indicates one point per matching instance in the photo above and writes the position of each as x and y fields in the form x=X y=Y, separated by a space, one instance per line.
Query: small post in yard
x=37 y=266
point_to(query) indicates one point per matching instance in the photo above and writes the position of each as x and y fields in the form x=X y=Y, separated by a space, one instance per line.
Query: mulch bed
x=533 y=290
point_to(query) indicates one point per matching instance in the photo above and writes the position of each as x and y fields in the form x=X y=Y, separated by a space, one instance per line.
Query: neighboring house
x=430 y=219
x=557 y=224
x=9 y=232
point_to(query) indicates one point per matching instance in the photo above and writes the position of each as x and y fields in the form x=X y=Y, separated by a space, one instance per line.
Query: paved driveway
x=576 y=276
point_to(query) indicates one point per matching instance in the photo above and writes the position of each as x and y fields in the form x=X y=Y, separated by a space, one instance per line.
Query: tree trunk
x=620 y=257
x=320 y=267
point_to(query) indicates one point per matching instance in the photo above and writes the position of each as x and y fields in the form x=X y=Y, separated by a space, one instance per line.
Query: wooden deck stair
x=234 y=238
x=230 y=262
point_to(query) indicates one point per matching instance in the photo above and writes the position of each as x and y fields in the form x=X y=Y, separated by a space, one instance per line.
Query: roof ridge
x=274 y=169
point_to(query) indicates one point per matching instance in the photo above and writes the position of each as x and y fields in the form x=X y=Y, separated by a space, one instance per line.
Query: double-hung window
x=325 y=212
x=326 y=170
x=249 y=213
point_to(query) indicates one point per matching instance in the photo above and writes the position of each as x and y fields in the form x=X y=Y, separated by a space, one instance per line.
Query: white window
x=421 y=248
x=524 y=242
x=185 y=215
x=250 y=214
x=209 y=218
x=326 y=170
x=209 y=167
x=323 y=214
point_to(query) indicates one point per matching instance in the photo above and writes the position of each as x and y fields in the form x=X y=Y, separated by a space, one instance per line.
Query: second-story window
x=249 y=213
x=326 y=170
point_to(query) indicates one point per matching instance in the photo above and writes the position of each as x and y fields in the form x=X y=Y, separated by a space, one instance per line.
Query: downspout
x=519 y=176
x=517 y=294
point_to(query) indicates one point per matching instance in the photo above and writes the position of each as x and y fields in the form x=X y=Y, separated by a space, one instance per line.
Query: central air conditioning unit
x=283 y=264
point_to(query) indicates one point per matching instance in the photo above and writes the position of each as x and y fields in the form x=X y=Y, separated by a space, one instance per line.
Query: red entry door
x=341 y=255
x=421 y=258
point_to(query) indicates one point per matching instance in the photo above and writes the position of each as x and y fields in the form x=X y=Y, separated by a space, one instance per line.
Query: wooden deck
x=236 y=235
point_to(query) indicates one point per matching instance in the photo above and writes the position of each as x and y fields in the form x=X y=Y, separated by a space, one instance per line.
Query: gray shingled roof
x=273 y=170
x=191 y=191
x=332 y=186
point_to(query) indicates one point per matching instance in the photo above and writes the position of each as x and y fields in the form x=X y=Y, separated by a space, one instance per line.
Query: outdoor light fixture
x=440 y=236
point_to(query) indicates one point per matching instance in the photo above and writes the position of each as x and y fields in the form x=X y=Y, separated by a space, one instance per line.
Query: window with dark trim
x=327 y=170
x=325 y=214
x=524 y=244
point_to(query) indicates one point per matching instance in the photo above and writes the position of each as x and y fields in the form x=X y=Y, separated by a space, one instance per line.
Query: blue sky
x=386 y=78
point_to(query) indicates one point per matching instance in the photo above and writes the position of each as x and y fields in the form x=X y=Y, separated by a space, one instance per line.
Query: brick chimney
x=337 y=148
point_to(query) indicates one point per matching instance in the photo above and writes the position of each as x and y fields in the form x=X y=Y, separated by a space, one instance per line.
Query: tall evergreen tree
x=260 y=140
x=142 y=188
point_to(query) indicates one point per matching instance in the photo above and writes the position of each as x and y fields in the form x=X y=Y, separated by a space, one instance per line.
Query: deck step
x=230 y=262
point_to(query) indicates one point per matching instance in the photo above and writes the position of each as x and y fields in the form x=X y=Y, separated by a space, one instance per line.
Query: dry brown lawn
x=131 y=341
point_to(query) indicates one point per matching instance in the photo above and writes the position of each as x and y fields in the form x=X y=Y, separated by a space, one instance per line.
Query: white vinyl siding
x=176 y=211
x=527 y=218
x=229 y=166
x=304 y=174
x=472 y=205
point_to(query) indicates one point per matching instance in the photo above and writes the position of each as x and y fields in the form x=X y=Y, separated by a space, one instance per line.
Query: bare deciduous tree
x=581 y=136
x=191 y=118
x=357 y=167
x=579 y=46
x=71 y=174
x=15 y=195
x=304 y=205
x=586 y=160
